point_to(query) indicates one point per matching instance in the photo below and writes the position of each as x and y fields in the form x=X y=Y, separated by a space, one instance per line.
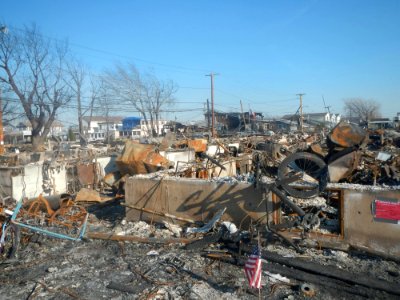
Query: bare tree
x=34 y=67
x=105 y=105
x=145 y=92
x=95 y=89
x=362 y=109
x=11 y=110
x=77 y=73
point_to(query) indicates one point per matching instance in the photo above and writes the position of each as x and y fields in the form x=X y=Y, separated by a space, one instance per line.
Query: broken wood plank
x=330 y=271
x=131 y=238
x=167 y=215
x=334 y=285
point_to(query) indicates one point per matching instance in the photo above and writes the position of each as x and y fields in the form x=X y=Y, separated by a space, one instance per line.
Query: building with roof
x=102 y=127
x=135 y=127
x=235 y=121
x=283 y=125
x=325 y=119
x=22 y=132
x=396 y=121
x=380 y=123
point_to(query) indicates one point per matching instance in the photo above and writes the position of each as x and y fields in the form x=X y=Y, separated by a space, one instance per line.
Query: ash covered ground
x=47 y=268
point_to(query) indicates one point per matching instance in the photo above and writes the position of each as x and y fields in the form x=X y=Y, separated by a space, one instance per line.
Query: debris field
x=179 y=218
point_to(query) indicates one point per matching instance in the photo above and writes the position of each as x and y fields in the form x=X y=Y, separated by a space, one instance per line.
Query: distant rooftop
x=132 y=119
x=103 y=118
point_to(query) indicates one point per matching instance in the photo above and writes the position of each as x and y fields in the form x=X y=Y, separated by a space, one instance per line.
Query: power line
x=126 y=107
x=119 y=55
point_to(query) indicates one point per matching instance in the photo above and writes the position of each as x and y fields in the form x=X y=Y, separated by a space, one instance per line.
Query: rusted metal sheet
x=195 y=199
x=362 y=230
x=343 y=166
x=87 y=195
x=199 y=145
x=347 y=135
x=317 y=149
x=87 y=174
x=140 y=159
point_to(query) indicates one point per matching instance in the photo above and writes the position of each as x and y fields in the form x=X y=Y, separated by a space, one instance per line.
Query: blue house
x=131 y=127
x=129 y=123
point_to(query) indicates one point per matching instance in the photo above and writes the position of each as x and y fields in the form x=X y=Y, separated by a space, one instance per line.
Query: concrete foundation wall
x=360 y=228
x=6 y=180
x=28 y=180
x=195 y=199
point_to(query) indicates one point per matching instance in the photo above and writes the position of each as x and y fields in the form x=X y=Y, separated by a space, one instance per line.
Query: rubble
x=176 y=219
x=104 y=268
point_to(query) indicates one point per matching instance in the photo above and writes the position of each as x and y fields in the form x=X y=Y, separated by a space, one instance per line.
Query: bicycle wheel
x=312 y=173
x=11 y=242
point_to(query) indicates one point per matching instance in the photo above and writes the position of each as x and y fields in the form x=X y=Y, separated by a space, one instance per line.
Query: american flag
x=252 y=268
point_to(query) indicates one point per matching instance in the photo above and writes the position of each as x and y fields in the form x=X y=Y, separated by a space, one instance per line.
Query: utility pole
x=244 y=120
x=301 y=110
x=326 y=107
x=212 y=104
x=208 y=114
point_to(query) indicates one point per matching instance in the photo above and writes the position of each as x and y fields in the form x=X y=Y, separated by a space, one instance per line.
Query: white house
x=335 y=118
x=326 y=119
x=141 y=130
x=99 y=127
x=25 y=129
x=144 y=130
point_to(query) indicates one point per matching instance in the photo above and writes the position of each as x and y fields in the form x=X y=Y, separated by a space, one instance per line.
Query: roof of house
x=132 y=119
x=315 y=114
x=284 y=121
x=103 y=118
x=291 y=117
x=379 y=120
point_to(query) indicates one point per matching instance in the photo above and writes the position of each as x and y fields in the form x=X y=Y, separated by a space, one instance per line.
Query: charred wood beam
x=167 y=215
x=336 y=286
x=214 y=161
x=131 y=238
x=330 y=271
x=287 y=201
x=131 y=289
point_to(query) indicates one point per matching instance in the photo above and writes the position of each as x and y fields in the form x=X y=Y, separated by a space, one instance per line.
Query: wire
x=125 y=106
x=181 y=68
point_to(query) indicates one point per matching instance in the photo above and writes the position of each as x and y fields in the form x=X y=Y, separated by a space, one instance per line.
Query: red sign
x=388 y=210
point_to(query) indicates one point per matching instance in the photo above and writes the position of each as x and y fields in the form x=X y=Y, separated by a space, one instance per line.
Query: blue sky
x=264 y=51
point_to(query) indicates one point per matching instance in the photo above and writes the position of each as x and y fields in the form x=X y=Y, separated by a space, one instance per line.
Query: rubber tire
x=322 y=172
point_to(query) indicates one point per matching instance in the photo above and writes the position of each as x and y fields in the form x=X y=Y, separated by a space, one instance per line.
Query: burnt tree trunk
x=38 y=143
